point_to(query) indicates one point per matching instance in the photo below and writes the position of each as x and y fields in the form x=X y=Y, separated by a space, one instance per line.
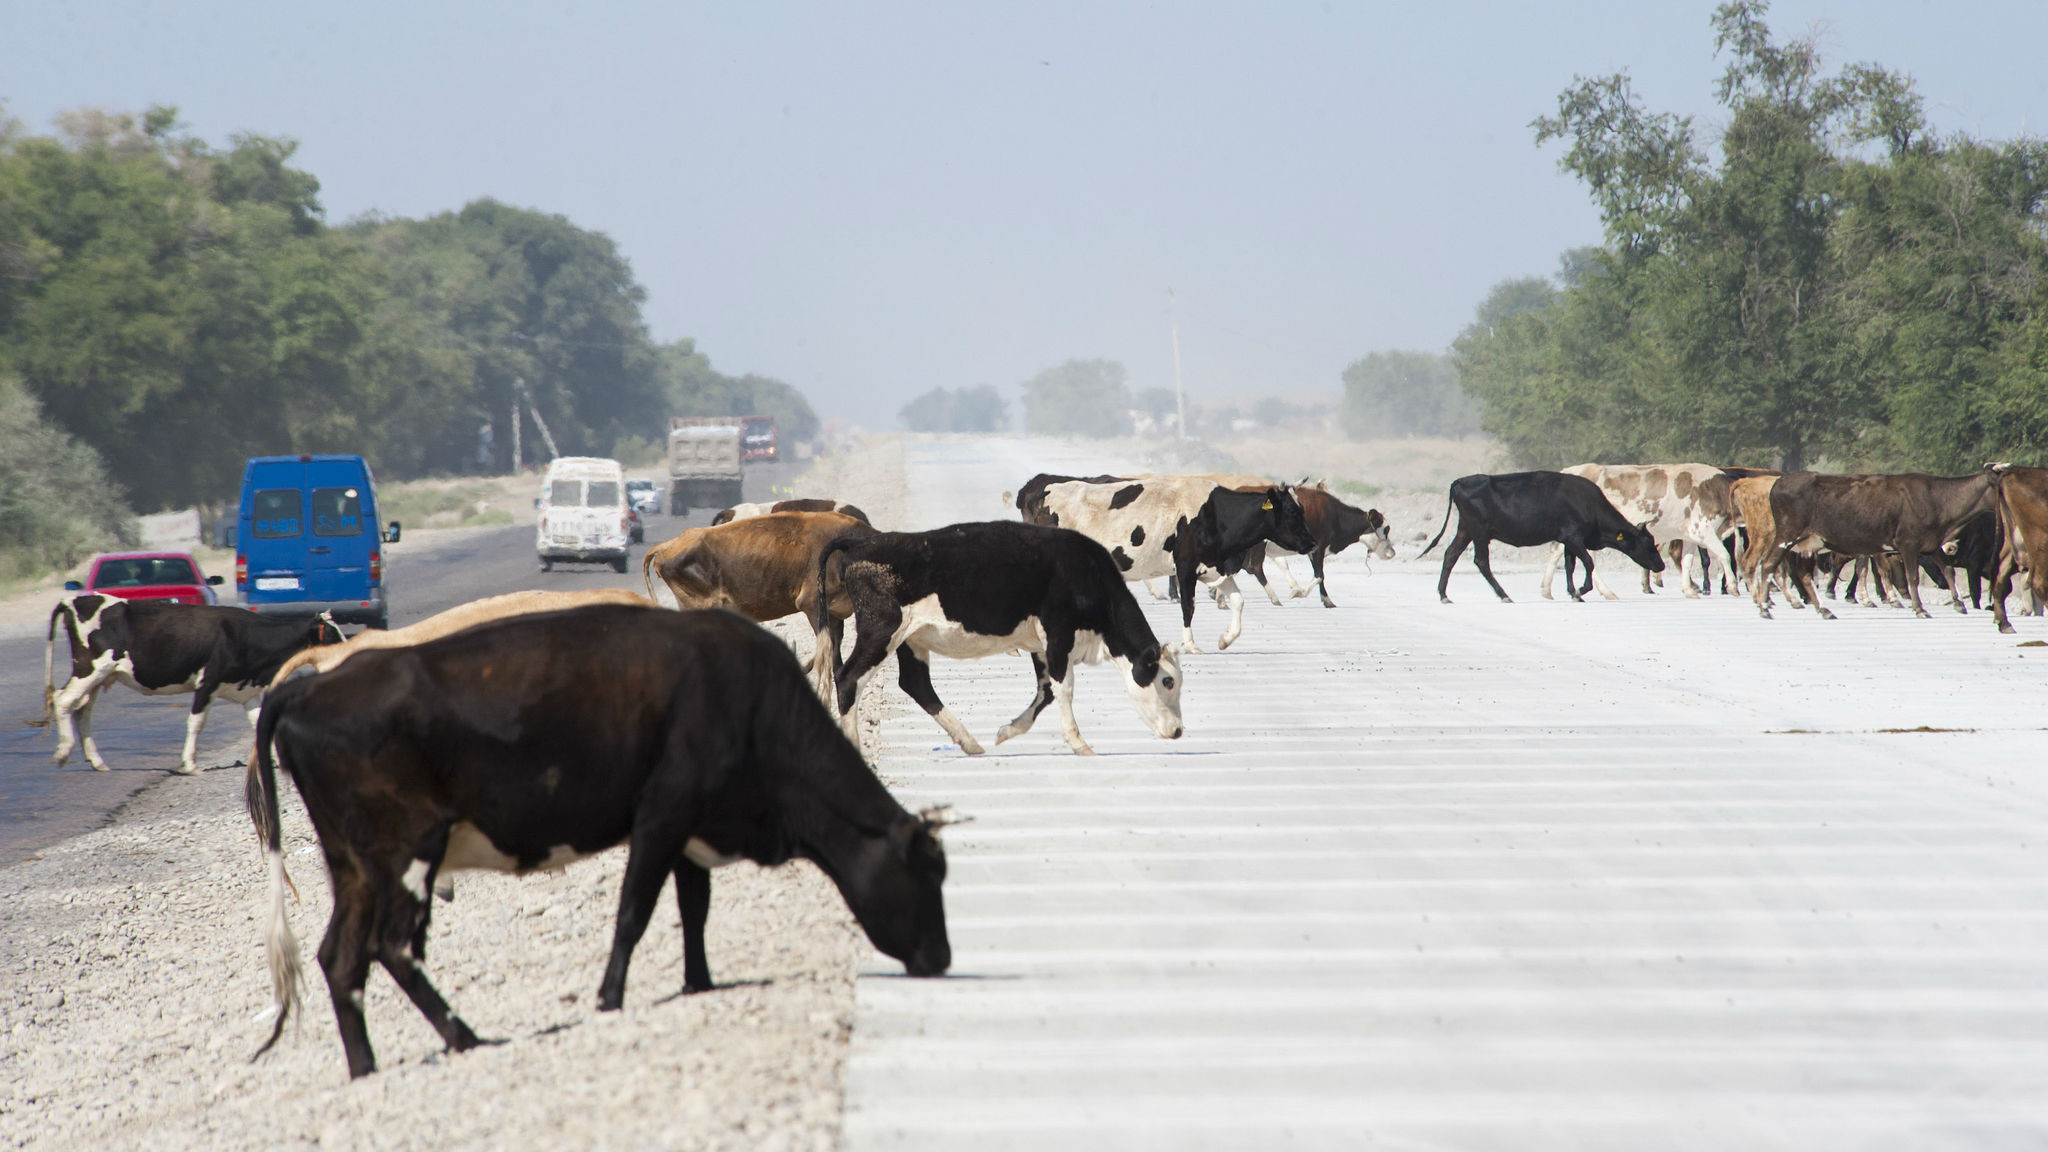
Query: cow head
x=1286 y=524
x=325 y=630
x=1636 y=543
x=1152 y=681
x=892 y=885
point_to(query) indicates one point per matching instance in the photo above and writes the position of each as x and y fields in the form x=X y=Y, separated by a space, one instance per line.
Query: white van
x=583 y=514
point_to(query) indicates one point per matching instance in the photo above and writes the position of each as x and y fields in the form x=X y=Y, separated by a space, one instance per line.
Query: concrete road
x=141 y=737
x=1644 y=874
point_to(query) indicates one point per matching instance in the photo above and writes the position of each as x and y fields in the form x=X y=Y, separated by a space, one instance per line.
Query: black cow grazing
x=533 y=741
x=1524 y=509
x=1031 y=497
x=1912 y=514
x=162 y=649
x=973 y=590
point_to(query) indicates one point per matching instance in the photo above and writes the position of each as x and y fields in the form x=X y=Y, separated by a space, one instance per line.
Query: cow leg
x=650 y=857
x=1258 y=572
x=1481 y=558
x=1041 y=697
x=1593 y=578
x=1296 y=589
x=1154 y=590
x=401 y=944
x=202 y=699
x=1455 y=549
x=76 y=699
x=90 y=746
x=1222 y=589
x=874 y=629
x=1909 y=562
x=1802 y=575
x=1687 y=561
x=693 y=900
x=1236 y=606
x=1063 y=690
x=1315 y=563
x=345 y=961
x=1183 y=588
x=915 y=677
x=1557 y=553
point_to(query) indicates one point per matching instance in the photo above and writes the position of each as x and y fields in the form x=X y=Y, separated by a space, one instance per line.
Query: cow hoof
x=1444 y=599
x=1083 y=750
x=1223 y=642
x=1329 y=603
x=186 y=770
x=1547 y=595
x=1764 y=613
x=971 y=746
x=1824 y=613
x=2007 y=629
x=1612 y=596
x=1922 y=614
x=691 y=989
x=1006 y=732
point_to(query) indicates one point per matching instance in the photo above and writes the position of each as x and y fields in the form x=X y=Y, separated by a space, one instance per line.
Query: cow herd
x=525 y=731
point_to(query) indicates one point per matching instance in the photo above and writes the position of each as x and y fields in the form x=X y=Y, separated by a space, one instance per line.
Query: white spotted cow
x=1686 y=503
x=164 y=649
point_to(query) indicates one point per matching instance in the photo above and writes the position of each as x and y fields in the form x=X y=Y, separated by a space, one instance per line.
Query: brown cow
x=1913 y=514
x=2023 y=538
x=763 y=567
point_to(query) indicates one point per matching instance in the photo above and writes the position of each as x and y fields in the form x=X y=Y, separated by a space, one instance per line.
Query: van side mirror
x=213 y=580
x=391 y=532
x=73 y=586
x=536 y=501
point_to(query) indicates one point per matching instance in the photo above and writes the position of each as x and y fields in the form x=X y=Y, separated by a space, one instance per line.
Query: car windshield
x=601 y=494
x=140 y=571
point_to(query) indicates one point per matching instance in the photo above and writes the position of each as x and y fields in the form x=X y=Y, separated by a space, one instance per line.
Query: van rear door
x=274 y=530
x=339 y=539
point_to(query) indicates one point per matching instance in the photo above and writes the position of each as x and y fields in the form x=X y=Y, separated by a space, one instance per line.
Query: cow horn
x=939 y=816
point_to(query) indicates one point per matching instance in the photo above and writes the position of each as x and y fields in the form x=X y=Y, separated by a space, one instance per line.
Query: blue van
x=307 y=541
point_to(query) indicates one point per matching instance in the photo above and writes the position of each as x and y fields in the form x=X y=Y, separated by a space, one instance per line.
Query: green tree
x=1078 y=398
x=58 y=504
x=1406 y=394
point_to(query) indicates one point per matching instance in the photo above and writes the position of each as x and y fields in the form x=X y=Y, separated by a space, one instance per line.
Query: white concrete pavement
x=1649 y=873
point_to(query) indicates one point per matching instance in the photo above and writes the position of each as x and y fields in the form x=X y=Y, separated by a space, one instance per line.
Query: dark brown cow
x=527 y=743
x=2023 y=539
x=763 y=567
x=1912 y=514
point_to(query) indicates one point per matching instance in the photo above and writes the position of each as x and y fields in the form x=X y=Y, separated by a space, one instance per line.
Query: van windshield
x=337 y=512
x=275 y=513
x=602 y=494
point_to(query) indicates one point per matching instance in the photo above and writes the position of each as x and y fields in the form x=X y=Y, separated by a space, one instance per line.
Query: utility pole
x=534 y=407
x=1180 y=402
x=515 y=435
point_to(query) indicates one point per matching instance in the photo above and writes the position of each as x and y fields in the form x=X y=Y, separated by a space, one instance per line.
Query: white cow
x=1683 y=502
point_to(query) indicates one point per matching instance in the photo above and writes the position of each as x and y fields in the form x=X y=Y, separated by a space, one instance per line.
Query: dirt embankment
x=135 y=990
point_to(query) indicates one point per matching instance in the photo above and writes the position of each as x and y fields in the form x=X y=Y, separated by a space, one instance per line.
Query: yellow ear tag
x=1266 y=507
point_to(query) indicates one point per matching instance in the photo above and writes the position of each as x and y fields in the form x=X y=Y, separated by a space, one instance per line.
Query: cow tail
x=826 y=661
x=280 y=945
x=50 y=666
x=648 y=574
x=1448 y=505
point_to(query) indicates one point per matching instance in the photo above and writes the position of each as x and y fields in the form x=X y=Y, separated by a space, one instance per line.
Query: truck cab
x=583 y=514
x=307 y=539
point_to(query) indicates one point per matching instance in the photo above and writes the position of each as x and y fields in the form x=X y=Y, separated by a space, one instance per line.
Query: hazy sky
x=870 y=200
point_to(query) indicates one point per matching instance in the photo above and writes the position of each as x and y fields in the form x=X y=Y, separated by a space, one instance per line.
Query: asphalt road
x=140 y=737
x=1644 y=874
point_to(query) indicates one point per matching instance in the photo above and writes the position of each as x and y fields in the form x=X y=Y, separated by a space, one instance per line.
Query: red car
x=172 y=576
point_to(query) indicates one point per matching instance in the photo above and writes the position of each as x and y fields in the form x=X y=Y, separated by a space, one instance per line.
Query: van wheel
x=383 y=621
x=619 y=565
x=547 y=565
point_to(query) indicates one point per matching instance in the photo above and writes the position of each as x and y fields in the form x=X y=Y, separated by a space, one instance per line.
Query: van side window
x=602 y=494
x=337 y=512
x=276 y=513
x=565 y=493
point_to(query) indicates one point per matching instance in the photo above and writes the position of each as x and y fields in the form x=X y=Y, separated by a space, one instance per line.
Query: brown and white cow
x=803 y=504
x=1683 y=503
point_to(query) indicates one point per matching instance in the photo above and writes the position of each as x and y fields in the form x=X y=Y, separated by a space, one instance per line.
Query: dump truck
x=704 y=458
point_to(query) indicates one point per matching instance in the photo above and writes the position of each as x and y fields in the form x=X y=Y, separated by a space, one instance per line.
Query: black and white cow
x=1182 y=526
x=533 y=741
x=973 y=590
x=1524 y=509
x=162 y=649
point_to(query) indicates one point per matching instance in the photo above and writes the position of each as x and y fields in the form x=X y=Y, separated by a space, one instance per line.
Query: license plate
x=276 y=583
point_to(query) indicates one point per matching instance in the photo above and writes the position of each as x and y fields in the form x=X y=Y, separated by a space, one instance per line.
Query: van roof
x=326 y=459
x=583 y=466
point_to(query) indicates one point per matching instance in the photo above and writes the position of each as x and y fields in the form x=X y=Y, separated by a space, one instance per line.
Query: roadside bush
x=58 y=504
x=1079 y=398
x=979 y=409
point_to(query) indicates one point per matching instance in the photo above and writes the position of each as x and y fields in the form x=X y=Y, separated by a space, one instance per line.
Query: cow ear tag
x=1266 y=507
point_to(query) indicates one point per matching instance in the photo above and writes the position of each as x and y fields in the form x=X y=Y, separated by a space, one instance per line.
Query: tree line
x=1830 y=280
x=175 y=307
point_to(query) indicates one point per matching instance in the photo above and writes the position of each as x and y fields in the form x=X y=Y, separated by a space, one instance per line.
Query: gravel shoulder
x=135 y=989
